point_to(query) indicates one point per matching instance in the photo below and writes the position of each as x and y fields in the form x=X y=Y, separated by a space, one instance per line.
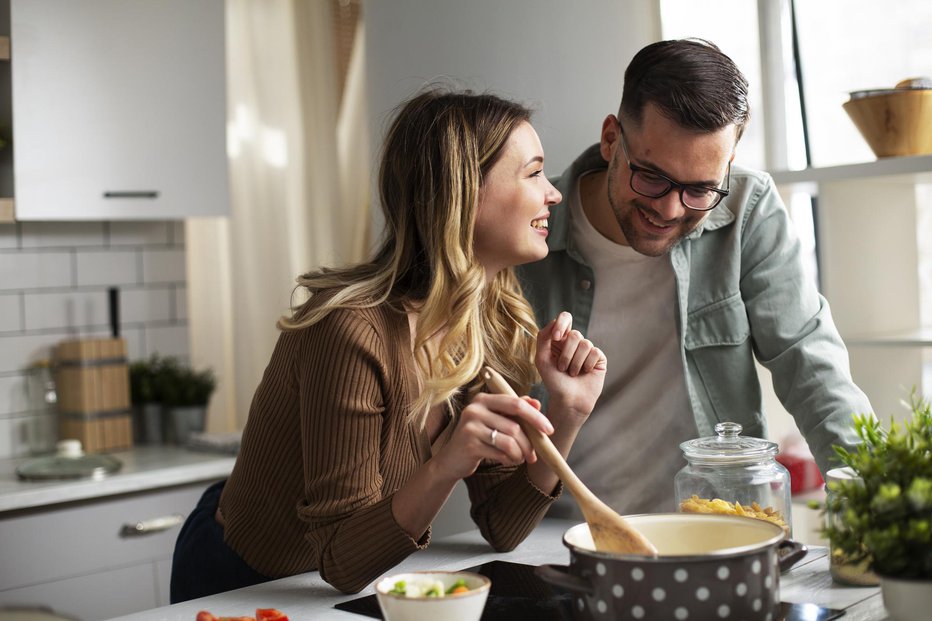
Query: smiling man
x=684 y=268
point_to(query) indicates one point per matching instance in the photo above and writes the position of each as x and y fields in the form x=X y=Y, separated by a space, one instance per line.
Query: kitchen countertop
x=144 y=468
x=307 y=596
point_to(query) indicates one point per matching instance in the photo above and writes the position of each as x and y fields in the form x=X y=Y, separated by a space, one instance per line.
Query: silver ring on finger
x=493 y=436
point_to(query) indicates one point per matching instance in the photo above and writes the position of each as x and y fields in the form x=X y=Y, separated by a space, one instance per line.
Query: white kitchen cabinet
x=75 y=558
x=119 y=109
x=874 y=223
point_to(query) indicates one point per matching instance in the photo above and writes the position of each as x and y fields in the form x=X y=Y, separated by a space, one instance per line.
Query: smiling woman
x=370 y=410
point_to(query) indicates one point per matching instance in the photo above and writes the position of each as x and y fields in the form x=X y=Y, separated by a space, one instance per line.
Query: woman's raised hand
x=488 y=429
x=572 y=368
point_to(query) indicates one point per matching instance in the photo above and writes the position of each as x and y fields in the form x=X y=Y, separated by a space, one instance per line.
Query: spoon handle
x=542 y=444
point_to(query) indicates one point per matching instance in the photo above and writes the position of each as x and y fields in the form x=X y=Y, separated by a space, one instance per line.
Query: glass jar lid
x=70 y=462
x=728 y=447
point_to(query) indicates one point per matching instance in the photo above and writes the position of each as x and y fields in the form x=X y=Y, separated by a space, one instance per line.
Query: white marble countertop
x=144 y=468
x=307 y=596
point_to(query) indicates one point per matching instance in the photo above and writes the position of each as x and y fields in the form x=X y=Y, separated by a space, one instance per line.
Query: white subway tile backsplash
x=7 y=427
x=163 y=265
x=140 y=233
x=53 y=286
x=146 y=305
x=108 y=267
x=62 y=234
x=11 y=312
x=14 y=395
x=35 y=269
x=135 y=343
x=8 y=237
x=168 y=341
x=18 y=352
x=72 y=310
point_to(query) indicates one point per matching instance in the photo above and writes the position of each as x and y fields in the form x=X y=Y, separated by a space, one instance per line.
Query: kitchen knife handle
x=114 y=311
x=151 y=526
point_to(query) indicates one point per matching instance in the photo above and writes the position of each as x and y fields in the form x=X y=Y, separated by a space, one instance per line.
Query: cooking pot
x=709 y=567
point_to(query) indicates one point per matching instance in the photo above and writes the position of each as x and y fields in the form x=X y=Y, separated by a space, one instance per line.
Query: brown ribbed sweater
x=326 y=445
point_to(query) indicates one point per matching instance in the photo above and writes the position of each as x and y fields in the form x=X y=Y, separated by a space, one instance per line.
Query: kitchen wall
x=54 y=278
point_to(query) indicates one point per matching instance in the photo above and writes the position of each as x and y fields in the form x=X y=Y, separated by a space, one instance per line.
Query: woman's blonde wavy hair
x=438 y=150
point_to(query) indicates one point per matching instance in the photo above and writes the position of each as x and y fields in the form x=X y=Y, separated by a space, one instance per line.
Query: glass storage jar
x=734 y=474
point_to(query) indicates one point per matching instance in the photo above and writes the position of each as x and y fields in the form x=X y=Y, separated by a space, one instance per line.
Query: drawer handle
x=151 y=527
x=132 y=194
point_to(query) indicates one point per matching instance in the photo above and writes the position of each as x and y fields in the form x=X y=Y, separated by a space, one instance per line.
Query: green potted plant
x=185 y=393
x=147 y=406
x=883 y=514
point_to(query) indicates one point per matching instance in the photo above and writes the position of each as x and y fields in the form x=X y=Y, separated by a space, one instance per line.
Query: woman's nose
x=553 y=196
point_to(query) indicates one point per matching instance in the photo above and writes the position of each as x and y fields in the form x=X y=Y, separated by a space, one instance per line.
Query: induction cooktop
x=517 y=594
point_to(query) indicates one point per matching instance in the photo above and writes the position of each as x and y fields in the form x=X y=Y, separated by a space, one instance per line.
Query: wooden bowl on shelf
x=894 y=122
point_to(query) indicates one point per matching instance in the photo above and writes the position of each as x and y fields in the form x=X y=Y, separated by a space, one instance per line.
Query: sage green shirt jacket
x=742 y=294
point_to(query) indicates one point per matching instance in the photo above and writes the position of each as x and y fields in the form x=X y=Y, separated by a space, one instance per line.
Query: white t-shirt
x=628 y=452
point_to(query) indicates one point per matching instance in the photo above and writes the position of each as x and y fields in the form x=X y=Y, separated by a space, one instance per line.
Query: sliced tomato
x=270 y=614
x=203 y=615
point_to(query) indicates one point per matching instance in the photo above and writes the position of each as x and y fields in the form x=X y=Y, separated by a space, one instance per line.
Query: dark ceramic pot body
x=709 y=567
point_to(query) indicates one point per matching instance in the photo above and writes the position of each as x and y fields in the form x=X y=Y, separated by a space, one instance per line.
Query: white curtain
x=299 y=170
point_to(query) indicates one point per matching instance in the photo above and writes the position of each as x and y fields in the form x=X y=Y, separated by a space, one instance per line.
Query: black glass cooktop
x=517 y=594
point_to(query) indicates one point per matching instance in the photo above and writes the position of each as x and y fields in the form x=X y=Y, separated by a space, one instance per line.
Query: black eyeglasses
x=654 y=185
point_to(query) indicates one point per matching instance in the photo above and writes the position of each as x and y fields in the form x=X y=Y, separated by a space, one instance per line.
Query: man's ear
x=610 y=138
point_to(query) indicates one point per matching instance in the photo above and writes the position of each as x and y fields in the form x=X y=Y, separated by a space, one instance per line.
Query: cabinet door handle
x=151 y=526
x=133 y=194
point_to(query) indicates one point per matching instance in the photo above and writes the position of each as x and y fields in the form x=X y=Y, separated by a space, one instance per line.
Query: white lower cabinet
x=78 y=559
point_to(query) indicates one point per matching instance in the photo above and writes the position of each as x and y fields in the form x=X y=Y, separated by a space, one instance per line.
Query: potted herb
x=147 y=406
x=184 y=393
x=883 y=515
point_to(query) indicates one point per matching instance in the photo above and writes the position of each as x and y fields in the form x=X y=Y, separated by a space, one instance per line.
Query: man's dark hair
x=692 y=83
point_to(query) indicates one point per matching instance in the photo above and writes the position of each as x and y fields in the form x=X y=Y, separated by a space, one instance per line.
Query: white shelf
x=912 y=338
x=912 y=169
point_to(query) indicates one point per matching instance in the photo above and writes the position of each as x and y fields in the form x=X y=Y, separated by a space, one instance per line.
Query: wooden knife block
x=92 y=382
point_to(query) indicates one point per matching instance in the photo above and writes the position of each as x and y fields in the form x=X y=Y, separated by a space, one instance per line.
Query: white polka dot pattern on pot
x=729 y=589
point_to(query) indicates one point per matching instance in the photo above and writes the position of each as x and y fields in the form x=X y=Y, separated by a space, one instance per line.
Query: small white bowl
x=460 y=607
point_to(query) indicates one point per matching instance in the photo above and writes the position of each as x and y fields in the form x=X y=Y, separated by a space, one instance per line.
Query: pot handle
x=790 y=552
x=558 y=576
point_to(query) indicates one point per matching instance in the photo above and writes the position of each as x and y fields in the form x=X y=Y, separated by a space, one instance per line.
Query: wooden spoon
x=610 y=531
